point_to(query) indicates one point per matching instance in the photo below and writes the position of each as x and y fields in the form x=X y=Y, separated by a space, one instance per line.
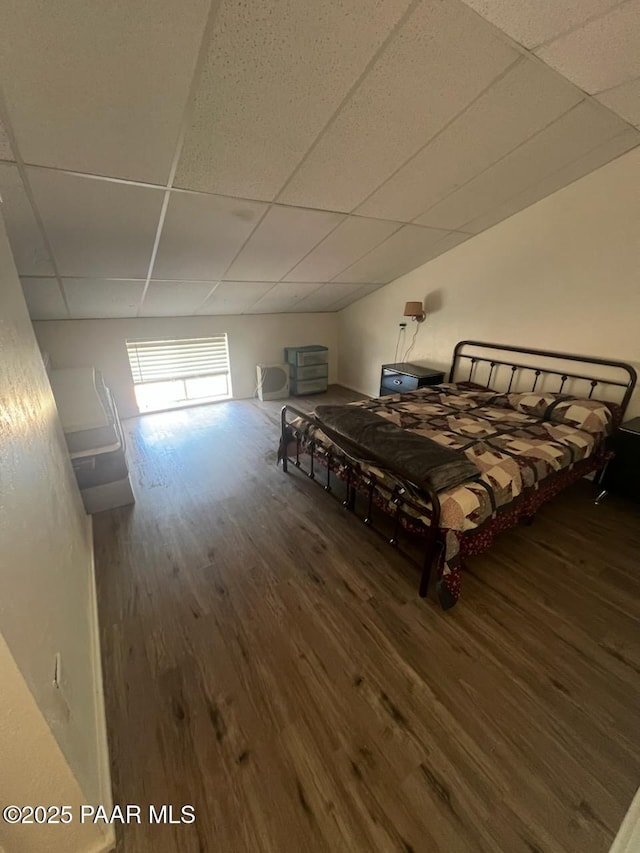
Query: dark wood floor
x=267 y=660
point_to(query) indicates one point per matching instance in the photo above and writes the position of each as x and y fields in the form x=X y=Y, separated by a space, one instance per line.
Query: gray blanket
x=415 y=458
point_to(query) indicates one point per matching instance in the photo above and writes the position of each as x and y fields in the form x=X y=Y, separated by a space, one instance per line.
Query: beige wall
x=628 y=838
x=563 y=274
x=46 y=574
x=252 y=340
x=34 y=771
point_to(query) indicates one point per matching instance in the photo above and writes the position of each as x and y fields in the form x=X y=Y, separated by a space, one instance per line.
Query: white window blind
x=158 y=361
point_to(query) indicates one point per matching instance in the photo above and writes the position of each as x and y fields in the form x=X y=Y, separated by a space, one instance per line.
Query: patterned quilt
x=515 y=440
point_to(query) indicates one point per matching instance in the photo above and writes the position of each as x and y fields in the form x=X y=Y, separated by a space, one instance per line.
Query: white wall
x=252 y=340
x=628 y=838
x=46 y=574
x=563 y=274
x=34 y=772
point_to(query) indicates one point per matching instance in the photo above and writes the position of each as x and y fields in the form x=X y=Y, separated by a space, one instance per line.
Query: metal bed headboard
x=478 y=362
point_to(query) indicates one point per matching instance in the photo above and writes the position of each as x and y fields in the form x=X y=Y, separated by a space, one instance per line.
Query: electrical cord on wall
x=412 y=344
x=401 y=330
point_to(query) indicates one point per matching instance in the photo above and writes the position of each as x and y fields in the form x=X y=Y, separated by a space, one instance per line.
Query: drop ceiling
x=182 y=157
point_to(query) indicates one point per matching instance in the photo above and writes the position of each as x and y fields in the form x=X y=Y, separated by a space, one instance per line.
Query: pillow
x=591 y=416
x=532 y=403
x=588 y=415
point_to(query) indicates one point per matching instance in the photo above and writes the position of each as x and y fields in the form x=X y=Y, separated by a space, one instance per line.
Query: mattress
x=516 y=441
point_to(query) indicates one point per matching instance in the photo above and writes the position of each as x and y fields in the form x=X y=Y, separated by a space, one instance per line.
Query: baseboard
x=102 y=746
x=355 y=390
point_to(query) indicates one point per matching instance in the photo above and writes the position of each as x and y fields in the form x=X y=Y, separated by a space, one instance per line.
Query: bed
x=531 y=421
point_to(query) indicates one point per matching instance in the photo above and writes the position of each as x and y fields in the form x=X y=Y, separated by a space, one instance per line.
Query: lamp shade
x=413 y=309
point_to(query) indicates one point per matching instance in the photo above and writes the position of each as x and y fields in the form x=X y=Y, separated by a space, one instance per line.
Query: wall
x=628 y=838
x=46 y=572
x=253 y=339
x=34 y=771
x=563 y=274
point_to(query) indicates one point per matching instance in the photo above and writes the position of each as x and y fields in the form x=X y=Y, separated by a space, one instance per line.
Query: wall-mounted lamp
x=415 y=311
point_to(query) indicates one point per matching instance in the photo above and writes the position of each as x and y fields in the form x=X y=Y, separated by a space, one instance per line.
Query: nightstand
x=622 y=474
x=403 y=377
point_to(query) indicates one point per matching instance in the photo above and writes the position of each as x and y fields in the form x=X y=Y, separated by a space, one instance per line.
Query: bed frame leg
x=423 y=589
x=282 y=451
x=351 y=499
x=432 y=549
x=396 y=524
x=367 y=519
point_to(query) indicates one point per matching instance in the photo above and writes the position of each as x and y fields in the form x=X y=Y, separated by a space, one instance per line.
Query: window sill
x=183 y=404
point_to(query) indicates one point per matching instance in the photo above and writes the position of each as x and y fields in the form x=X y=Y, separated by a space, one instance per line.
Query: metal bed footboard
x=357 y=479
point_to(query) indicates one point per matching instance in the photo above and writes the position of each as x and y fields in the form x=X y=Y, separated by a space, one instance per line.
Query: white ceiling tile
x=532 y=22
x=44 y=299
x=441 y=59
x=594 y=159
x=102 y=297
x=624 y=100
x=105 y=92
x=522 y=102
x=328 y=295
x=571 y=136
x=283 y=298
x=403 y=251
x=281 y=240
x=601 y=54
x=6 y=152
x=100 y=89
x=352 y=239
x=235 y=297
x=274 y=75
x=359 y=292
x=174 y=298
x=97 y=228
x=27 y=245
x=202 y=234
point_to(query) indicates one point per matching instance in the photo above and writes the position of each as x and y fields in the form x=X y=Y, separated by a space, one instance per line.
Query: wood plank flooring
x=267 y=660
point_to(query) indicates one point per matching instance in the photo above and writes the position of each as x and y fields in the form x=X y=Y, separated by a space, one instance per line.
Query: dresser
x=309 y=369
x=405 y=376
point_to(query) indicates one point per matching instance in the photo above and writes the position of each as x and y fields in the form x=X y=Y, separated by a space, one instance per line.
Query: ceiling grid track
x=442 y=130
x=354 y=88
x=186 y=115
x=583 y=22
x=274 y=201
x=551 y=175
x=435 y=245
x=500 y=160
x=237 y=254
x=5 y=118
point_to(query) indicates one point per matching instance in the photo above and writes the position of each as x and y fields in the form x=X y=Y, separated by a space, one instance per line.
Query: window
x=168 y=374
